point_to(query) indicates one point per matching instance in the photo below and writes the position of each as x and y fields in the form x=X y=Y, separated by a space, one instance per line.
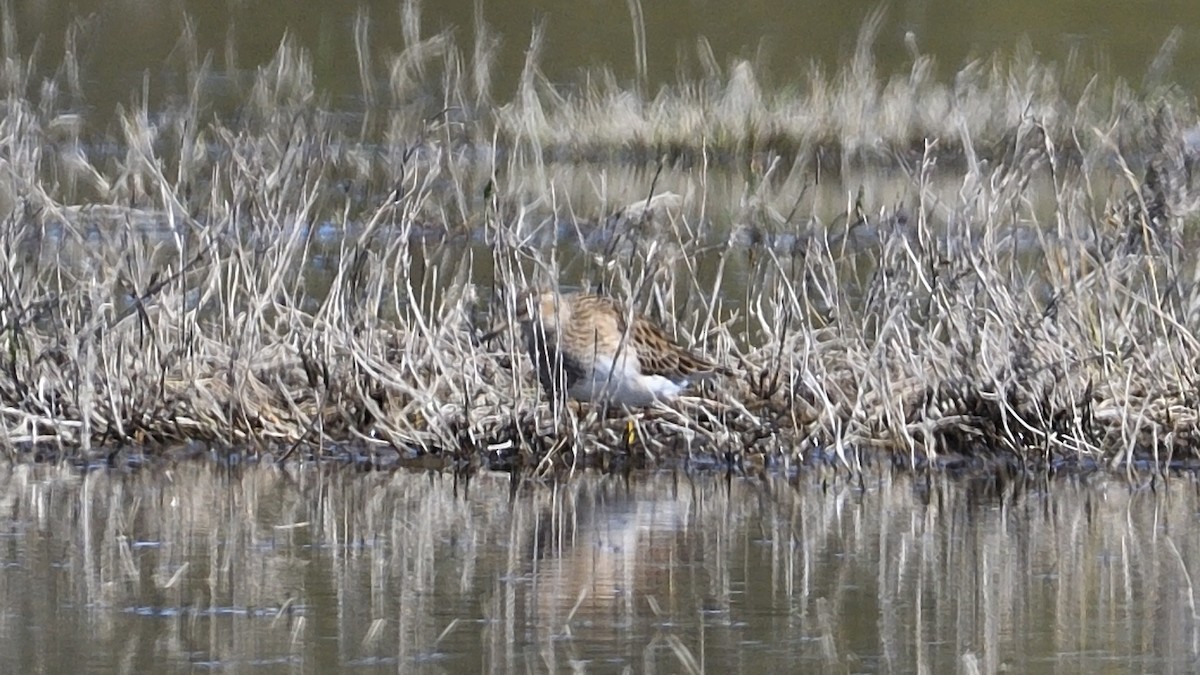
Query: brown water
x=130 y=40
x=327 y=569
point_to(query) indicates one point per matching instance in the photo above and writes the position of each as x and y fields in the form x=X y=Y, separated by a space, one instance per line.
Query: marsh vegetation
x=905 y=268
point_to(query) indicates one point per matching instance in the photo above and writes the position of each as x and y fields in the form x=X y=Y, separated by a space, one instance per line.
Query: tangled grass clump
x=283 y=283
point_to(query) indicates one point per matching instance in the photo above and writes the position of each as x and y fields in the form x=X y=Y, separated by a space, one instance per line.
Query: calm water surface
x=131 y=40
x=321 y=569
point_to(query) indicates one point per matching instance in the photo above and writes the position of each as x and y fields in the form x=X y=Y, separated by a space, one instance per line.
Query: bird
x=591 y=349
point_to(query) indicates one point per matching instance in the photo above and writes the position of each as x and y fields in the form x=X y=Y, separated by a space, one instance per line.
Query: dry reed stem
x=285 y=281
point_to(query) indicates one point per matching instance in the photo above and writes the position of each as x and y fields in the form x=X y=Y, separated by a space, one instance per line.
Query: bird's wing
x=658 y=354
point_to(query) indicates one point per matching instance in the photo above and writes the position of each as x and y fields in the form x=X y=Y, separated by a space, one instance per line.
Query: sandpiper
x=590 y=348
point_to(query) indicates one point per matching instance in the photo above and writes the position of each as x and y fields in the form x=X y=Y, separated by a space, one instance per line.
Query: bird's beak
x=494 y=332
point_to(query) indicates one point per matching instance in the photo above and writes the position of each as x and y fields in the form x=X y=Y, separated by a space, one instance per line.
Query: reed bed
x=894 y=268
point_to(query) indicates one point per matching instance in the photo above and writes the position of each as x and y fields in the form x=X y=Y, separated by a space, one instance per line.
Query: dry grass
x=295 y=279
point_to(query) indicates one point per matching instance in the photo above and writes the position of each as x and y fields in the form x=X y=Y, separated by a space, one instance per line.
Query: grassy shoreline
x=298 y=280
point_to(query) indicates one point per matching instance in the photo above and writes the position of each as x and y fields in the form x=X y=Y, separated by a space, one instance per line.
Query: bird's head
x=532 y=307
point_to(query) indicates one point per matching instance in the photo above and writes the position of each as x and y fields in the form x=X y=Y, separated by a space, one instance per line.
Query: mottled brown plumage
x=591 y=348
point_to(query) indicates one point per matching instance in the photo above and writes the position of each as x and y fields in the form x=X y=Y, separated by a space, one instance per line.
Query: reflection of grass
x=250 y=564
x=160 y=292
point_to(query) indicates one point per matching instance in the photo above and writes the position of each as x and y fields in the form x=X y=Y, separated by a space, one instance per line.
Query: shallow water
x=321 y=569
x=127 y=43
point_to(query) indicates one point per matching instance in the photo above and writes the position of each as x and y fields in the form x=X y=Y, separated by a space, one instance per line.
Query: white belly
x=624 y=384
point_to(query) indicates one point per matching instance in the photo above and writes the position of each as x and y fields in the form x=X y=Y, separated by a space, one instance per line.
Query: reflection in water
x=328 y=568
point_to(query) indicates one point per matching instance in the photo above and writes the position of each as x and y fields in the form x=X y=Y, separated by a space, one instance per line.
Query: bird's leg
x=630 y=429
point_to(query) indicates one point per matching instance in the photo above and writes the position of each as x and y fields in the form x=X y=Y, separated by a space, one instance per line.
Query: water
x=325 y=569
x=129 y=41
